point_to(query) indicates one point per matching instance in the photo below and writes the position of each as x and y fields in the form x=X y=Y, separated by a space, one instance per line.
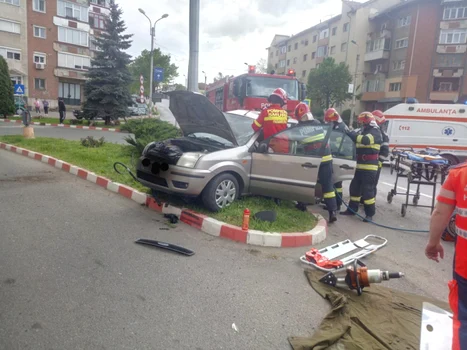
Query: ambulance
x=440 y=126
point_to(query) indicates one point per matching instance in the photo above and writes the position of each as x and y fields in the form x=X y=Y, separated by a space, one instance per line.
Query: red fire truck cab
x=250 y=91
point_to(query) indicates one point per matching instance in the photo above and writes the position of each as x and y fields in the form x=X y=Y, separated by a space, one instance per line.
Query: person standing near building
x=453 y=196
x=61 y=110
x=37 y=105
x=45 y=103
x=368 y=143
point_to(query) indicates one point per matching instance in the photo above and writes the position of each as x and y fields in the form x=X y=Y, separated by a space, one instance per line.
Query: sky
x=232 y=32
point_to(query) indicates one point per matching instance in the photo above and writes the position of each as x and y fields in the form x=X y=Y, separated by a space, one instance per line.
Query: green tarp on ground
x=381 y=318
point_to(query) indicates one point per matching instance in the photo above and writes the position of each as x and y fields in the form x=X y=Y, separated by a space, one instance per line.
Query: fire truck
x=250 y=91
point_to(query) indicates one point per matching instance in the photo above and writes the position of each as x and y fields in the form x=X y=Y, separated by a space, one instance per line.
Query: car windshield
x=264 y=86
x=241 y=127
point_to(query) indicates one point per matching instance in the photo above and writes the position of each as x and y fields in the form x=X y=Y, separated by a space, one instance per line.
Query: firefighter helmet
x=301 y=110
x=331 y=115
x=379 y=117
x=280 y=93
x=365 y=118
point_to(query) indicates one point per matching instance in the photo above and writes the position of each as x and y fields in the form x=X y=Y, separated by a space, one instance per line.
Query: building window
x=73 y=61
x=15 y=79
x=289 y=48
x=445 y=86
x=282 y=63
x=11 y=2
x=39 y=84
x=455 y=12
x=40 y=58
x=40 y=32
x=324 y=34
x=334 y=31
x=401 y=43
x=313 y=55
x=38 y=5
x=322 y=51
x=379 y=68
x=97 y=21
x=10 y=26
x=295 y=60
x=72 y=36
x=105 y=3
x=288 y=62
x=305 y=43
x=344 y=47
x=71 y=93
x=295 y=46
x=453 y=36
x=372 y=85
x=404 y=21
x=453 y=60
x=304 y=74
x=93 y=46
x=398 y=65
x=333 y=50
x=346 y=27
x=11 y=54
x=395 y=87
x=72 y=10
x=315 y=37
x=305 y=57
x=377 y=45
x=283 y=49
x=275 y=66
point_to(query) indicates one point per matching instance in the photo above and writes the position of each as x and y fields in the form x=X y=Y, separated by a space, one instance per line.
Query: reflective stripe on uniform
x=459 y=211
x=461 y=233
x=326 y=159
x=385 y=144
x=339 y=190
x=367 y=167
x=448 y=194
x=359 y=138
x=313 y=138
x=375 y=146
x=257 y=124
x=380 y=164
x=328 y=195
x=355 y=199
x=372 y=139
x=370 y=201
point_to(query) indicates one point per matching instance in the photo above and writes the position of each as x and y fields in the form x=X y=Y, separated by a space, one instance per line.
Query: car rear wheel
x=221 y=192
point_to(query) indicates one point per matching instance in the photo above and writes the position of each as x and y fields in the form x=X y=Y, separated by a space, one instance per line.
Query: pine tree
x=7 y=98
x=107 y=90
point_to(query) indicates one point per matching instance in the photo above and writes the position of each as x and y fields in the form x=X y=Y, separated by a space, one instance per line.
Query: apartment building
x=342 y=37
x=13 y=39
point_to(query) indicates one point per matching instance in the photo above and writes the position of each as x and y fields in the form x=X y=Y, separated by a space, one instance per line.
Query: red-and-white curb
x=63 y=125
x=196 y=220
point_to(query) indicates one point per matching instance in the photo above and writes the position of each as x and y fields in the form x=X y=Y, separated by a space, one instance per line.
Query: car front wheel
x=221 y=192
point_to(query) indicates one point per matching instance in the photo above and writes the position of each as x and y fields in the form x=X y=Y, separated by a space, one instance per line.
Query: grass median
x=100 y=161
x=48 y=120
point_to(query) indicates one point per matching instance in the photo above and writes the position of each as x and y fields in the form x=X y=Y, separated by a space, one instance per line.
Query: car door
x=343 y=154
x=285 y=170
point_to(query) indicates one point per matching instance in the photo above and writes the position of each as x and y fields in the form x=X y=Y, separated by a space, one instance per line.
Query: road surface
x=165 y=113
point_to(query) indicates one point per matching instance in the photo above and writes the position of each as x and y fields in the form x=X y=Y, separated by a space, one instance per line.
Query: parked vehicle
x=250 y=91
x=138 y=109
x=220 y=157
x=430 y=125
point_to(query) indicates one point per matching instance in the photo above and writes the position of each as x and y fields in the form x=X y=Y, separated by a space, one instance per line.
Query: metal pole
x=151 y=74
x=354 y=90
x=194 y=46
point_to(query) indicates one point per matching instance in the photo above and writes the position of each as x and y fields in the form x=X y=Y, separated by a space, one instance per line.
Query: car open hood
x=195 y=113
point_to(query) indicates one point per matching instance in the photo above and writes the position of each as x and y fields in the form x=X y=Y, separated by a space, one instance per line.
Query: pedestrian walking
x=61 y=110
x=452 y=196
x=45 y=103
x=37 y=104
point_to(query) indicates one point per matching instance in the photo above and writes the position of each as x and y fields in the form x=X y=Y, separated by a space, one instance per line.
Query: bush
x=76 y=121
x=91 y=142
x=148 y=130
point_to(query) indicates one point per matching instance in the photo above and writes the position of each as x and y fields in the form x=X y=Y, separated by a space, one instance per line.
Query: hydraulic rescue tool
x=359 y=277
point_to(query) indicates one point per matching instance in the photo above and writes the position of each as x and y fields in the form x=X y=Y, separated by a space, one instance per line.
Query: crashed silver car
x=220 y=157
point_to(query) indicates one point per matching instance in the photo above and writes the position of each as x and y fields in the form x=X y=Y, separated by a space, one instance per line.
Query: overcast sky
x=231 y=31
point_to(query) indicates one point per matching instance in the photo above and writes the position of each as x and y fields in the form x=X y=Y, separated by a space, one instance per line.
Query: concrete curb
x=199 y=221
x=63 y=126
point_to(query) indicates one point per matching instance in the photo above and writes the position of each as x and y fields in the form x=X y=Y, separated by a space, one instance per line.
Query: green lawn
x=100 y=161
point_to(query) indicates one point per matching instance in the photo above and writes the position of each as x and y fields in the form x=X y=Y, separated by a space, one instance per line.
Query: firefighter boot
x=368 y=219
x=347 y=213
x=332 y=216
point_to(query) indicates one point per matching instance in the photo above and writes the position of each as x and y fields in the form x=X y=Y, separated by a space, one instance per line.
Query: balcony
x=377 y=55
x=448 y=73
x=68 y=73
x=451 y=49
x=444 y=96
x=373 y=96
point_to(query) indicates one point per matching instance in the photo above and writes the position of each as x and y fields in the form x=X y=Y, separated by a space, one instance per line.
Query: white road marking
x=404 y=189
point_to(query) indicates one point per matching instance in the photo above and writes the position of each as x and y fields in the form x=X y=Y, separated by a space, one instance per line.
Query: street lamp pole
x=153 y=37
x=354 y=84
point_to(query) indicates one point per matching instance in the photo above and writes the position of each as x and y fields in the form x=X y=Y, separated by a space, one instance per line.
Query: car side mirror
x=263 y=147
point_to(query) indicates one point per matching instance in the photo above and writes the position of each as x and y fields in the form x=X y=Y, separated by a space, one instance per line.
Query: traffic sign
x=141 y=90
x=158 y=74
x=141 y=79
x=19 y=89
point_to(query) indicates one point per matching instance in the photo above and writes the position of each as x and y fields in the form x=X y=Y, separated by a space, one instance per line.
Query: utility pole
x=354 y=90
x=194 y=46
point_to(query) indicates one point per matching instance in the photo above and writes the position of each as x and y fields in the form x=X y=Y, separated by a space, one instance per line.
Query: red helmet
x=365 y=118
x=281 y=94
x=379 y=117
x=301 y=110
x=331 y=115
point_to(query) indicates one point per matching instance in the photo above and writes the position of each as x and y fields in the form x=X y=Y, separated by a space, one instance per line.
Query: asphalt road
x=165 y=113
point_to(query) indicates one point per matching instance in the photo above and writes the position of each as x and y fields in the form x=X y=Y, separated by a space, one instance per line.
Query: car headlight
x=188 y=160
x=148 y=146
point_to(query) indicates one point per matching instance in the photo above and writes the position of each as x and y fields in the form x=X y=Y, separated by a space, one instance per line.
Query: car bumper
x=175 y=180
